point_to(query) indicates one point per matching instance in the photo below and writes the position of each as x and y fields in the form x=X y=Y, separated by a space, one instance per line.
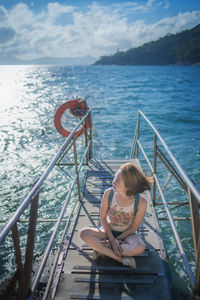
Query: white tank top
x=120 y=217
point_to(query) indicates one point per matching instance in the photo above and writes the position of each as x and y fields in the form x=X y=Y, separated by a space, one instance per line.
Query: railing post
x=137 y=135
x=76 y=167
x=23 y=274
x=155 y=167
x=197 y=275
x=30 y=243
x=18 y=257
x=86 y=132
x=86 y=144
x=195 y=221
x=90 y=138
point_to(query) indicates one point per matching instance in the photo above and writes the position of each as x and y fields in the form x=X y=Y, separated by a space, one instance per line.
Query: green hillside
x=176 y=49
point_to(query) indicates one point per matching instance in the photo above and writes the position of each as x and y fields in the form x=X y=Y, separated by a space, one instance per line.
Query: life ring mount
x=77 y=108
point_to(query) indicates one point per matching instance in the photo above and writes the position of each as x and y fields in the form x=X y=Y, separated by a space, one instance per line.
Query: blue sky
x=31 y=29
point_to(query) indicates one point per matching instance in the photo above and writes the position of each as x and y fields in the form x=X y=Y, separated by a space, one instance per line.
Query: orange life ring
x=77 y=108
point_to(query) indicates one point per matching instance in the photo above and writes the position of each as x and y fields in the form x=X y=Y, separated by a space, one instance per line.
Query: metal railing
x=172 y=165
x=24 y=267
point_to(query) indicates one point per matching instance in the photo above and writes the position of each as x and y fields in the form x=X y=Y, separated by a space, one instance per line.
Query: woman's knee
x=85 y=233
x=139 y=249
x=90 y=233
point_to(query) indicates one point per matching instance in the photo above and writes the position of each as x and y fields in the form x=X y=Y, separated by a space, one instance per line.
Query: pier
x=85 y=278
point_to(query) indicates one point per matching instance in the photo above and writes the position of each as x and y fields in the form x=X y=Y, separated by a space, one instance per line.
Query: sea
x=30 y=95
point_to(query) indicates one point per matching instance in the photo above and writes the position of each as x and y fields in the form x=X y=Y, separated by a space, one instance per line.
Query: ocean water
x=29 y=97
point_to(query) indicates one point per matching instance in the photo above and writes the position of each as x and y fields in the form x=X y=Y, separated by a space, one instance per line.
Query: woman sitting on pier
x=122 y=212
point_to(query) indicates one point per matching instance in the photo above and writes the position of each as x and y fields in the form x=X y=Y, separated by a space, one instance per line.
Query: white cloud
x=55 y=9
x=63 y=30
x=140 y=33
x=158 y=3
x=3 y=14
x=20 y=16
x=178 y=23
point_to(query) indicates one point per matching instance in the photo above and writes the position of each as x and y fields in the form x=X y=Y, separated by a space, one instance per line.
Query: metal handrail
x=39 y=183
x=182 y=172
x=57 y=225
x=173 y=226
x=189 y=185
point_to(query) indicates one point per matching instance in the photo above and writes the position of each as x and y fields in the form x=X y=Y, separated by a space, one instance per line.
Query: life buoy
x=77 y=108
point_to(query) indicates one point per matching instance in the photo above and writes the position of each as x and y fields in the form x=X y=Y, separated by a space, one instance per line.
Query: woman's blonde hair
x=134 y=180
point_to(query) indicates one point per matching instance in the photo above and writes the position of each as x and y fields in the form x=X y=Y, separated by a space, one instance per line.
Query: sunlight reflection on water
x=12 y=80
x=30 y=96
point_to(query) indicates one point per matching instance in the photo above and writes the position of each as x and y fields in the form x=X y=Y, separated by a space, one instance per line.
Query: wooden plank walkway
x=83 y=278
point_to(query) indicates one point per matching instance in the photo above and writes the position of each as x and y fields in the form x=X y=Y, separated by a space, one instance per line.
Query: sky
x=31 y=29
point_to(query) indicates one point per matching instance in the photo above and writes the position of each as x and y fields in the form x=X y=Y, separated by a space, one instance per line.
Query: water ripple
x=30 y=95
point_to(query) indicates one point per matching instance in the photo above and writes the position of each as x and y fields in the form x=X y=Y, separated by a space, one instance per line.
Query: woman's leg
x=132 y=245
x=93 y=237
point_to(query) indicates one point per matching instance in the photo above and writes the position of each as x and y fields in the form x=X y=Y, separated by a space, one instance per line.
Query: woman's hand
x=116 y=247
x=106 y=243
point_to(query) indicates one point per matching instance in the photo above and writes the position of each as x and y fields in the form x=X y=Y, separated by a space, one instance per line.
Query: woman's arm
x=103 y=215
x=137 y=221
x=103 y=218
